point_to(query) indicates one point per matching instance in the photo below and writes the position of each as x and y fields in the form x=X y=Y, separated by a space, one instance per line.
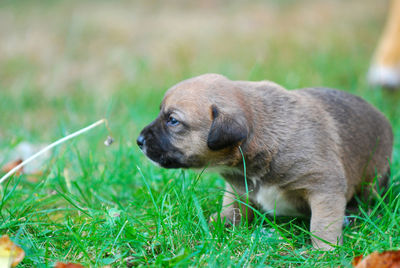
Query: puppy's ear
x=226 y=130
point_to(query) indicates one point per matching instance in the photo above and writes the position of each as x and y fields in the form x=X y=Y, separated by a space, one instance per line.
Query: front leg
x=327 y=214
x=232 y=210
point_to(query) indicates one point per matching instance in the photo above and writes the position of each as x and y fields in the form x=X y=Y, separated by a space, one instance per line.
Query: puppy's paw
x=320 y=245
x=229 y=217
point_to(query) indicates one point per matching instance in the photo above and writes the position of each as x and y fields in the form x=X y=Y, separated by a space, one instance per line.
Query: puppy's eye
x=172 y=121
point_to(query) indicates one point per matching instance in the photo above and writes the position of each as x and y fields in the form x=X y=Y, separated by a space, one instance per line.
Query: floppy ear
x=225 y=130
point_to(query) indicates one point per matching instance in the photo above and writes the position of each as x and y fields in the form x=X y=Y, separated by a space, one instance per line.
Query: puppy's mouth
x=163 y=159
x=170 y=158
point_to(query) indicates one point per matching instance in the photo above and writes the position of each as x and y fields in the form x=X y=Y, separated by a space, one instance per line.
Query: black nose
x=140 y=141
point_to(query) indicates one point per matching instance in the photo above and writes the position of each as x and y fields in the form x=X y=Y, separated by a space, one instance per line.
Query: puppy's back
x=366 y=135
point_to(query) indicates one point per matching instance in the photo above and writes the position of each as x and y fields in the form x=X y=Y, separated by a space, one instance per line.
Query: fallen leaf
x=68 y=265
x=357 y=260
x=10 y=165
x=10 y=253
x=23 y=151
x=387 y=259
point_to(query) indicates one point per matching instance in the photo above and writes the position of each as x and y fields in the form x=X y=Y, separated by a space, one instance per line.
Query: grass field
x=66 y=64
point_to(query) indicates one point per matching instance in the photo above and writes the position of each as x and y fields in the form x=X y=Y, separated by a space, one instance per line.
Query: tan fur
x=388 y=51
x=311 y=149
x=385 y=68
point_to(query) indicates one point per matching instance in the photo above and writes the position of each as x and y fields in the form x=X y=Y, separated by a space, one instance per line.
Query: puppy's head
x=201 y=123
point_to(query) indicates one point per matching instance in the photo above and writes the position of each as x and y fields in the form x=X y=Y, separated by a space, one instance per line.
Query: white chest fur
x=272 y=201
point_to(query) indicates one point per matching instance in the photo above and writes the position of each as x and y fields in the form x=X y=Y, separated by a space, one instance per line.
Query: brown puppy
x=307 y=150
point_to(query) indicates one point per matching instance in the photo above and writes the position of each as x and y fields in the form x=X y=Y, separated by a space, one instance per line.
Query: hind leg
x=376 y=186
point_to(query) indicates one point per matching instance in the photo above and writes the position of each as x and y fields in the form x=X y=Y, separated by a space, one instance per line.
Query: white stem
x=77 y=133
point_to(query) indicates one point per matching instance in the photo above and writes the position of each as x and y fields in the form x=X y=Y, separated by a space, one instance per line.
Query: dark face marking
x=156 y=141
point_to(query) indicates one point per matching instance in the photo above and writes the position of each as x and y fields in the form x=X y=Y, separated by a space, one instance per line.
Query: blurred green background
x=75 y=61
x=66 y=64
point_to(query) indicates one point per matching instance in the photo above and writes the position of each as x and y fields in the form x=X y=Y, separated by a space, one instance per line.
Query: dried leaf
x=10 y=165
x=357 y=260
x=24 y=150
x=387 y=259
x=68 y=265
x=10 y=254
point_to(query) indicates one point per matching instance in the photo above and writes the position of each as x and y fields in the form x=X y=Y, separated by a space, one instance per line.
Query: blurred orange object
x=385 y=68
x=387 y=259
x=10 y=253
x=10 y=165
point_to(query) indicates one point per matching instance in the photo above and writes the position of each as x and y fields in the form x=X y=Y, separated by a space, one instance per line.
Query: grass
x=66 y=64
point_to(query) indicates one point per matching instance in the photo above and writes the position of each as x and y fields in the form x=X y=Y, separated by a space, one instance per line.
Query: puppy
x=306 y=151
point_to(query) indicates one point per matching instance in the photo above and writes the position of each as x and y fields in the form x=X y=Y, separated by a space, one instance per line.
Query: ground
x=65 y=64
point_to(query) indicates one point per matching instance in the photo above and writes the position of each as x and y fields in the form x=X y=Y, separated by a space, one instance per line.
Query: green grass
x=100 y=205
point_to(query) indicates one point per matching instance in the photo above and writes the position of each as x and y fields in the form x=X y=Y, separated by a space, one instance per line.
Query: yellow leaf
x=387 y=259
x=10 y=254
